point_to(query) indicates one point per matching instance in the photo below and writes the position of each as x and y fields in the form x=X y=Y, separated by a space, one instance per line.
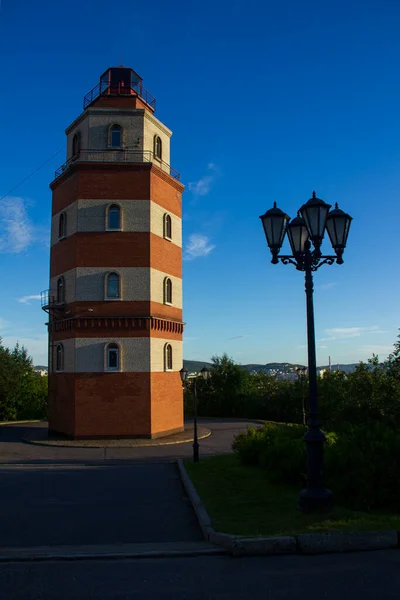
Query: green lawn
x=242 y=501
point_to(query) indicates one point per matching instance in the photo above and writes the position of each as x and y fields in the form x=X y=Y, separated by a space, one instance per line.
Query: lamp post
x=205 y=374
x=301 y=374
x=309 y=228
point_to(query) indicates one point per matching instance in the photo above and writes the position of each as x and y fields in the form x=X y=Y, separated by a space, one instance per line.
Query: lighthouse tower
x=115 y=298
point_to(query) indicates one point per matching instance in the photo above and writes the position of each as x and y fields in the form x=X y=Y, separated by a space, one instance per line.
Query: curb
x=109 y=552
x=22 y=422
x=25 y=439
x=304 y=543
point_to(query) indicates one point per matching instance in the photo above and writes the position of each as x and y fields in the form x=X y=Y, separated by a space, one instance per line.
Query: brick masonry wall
x=116 y=404
x=62 y=403
x=116 y=182
x=126 y=309
x=117 y=249
x=112 y=404
x=136 y=284
x=153 y=127
x=138 y=354
x=95 y=403
x=113 y=329
x=166 y=402
x=137 y=215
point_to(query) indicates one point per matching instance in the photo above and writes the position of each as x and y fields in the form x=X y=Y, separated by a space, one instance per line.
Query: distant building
x=40 y=372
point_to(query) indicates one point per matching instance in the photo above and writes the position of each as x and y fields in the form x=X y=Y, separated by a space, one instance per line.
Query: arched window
x=114 y=217
x=115 y=136
x=60 y=290
x=60 y=357
x=167 y=291
x=157 y=147
x=167 y=357
x=112 y=286
x=76 y=143
x=112 y=357
x=62 y=226
x=167 y=227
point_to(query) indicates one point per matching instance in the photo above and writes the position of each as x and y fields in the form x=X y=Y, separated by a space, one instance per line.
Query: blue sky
x=267 y=102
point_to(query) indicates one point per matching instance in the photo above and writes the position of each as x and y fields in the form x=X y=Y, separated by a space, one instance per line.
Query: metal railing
x=104 y=89
x=117 y=156
x=46 y=299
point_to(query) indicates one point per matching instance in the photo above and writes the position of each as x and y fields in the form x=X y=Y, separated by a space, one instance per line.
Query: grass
x=241 y=500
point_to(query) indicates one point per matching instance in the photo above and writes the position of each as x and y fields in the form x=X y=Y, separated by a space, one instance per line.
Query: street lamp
x=205 y=374
x=301 y=374
x=309 y=228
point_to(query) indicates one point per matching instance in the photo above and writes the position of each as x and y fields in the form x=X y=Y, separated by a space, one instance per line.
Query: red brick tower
x=115 y=298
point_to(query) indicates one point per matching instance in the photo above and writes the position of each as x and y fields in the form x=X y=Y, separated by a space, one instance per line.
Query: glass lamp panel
x=297 y=234
x=315 y=218
x=274 y=222
x=338 y=225
x=205 y=373
x=314 y=213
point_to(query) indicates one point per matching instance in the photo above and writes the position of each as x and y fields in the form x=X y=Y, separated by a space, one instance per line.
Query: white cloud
x=380 y=349
x=327 y=286
x=16 y=230
x=202 y=186
x=25 y=299
x=197 y=245
x=3 y=323
x=342 y=333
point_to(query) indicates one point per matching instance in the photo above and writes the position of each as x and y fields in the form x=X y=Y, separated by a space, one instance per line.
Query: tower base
x=115 y=405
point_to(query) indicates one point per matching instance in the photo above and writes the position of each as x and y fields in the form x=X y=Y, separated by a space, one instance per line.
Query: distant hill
x=197 y=365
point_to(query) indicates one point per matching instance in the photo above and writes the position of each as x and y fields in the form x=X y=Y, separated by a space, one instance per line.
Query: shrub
x=362 y=462
x=363 y=467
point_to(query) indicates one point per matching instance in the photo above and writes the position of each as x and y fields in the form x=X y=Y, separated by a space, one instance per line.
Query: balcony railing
x=117 y=156
x=104 y=89
x=48 y=301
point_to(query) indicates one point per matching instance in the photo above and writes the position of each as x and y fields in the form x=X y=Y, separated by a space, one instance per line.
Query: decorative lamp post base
x=313 y=500
x=315 y=496
x=196 y=453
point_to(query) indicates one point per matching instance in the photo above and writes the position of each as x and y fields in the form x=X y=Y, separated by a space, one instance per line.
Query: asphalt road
x=73 y=505
x=13 y=450
x=366 y=576
x=86 y=496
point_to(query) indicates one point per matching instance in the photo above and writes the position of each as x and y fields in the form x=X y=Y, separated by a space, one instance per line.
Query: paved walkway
x=73 y=505
x=53 y=496
x=14 y=451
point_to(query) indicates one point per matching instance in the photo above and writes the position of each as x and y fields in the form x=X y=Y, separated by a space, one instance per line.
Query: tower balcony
x=49 y=302
x=117 y=156
x=120 y=81
x=119 y=89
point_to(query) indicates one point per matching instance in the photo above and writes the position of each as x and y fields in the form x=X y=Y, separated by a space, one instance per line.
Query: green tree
x=23 y=394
